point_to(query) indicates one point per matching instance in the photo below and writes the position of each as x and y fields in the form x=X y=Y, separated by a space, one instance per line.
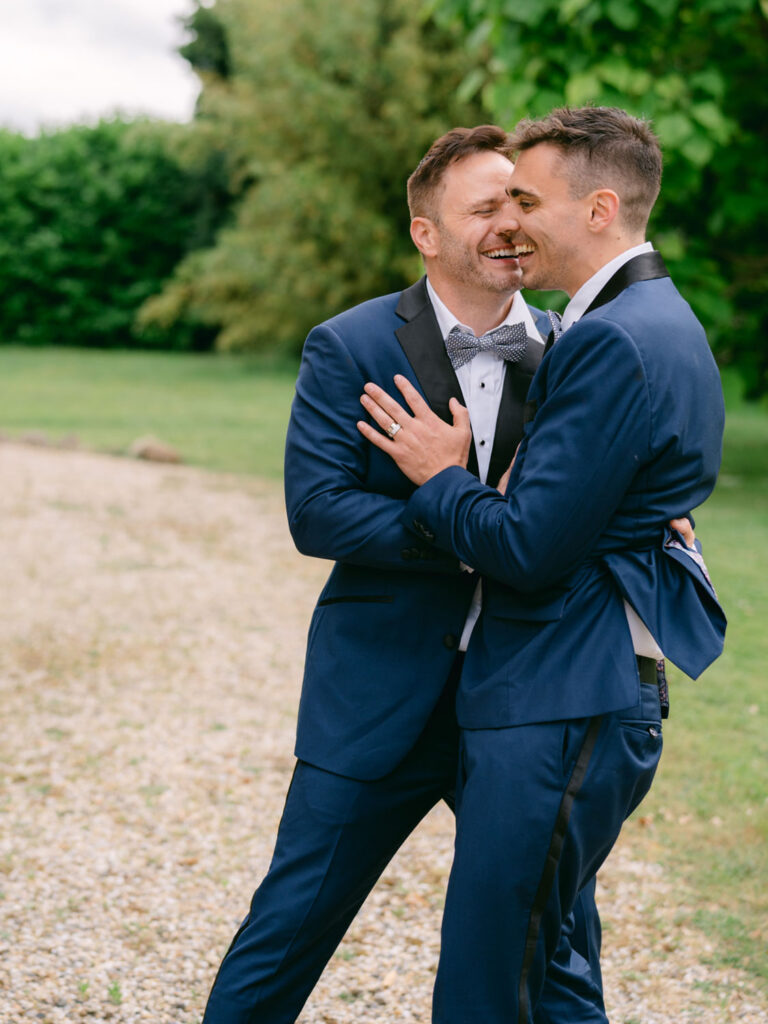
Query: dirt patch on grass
x=151 y=647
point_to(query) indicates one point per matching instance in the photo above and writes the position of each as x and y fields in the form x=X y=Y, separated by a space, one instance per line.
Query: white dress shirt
x=481 y=381
x=642 y=639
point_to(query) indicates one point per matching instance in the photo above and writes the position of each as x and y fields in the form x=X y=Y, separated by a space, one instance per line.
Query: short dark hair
x=602 y=147
x=456 y=144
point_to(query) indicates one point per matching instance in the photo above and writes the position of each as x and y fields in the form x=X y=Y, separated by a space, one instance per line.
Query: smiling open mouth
x=507 y=253
x=523 y=250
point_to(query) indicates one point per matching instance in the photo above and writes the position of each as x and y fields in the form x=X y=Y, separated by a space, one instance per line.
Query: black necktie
x=509 y=341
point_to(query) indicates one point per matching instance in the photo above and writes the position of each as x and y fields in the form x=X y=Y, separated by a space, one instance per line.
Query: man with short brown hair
x=585 y=587
x=377 y=737
x=425 y=183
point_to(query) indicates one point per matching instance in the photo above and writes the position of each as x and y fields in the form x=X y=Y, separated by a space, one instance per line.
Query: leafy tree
x=694 y=67
x=207 y=50
x=92 y=221
x=321 y=119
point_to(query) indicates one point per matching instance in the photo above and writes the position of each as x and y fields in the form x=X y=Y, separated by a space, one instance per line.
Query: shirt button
x=482 y=383
x=482 y=444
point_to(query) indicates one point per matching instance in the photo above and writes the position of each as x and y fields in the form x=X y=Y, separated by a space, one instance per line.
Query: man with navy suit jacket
x=558 y=703
x=377 y=738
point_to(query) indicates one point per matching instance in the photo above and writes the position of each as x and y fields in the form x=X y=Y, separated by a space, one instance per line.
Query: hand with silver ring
x=429 y=445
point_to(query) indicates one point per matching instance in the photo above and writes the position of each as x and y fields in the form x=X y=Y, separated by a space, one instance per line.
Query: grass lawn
x=708 y=809
x=707 y=816
x=222 y=412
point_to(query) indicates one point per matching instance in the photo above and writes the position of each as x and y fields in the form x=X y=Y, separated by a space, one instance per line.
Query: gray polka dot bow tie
x=509 y=341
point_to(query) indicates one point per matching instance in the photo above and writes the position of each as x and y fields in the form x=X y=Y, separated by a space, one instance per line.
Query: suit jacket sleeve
x=345 y=500
x=589 y=439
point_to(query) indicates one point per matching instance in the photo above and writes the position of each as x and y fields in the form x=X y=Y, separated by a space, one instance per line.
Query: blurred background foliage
x=92 y=221
x=694 y=67
x=322 y=120
x=284 y=200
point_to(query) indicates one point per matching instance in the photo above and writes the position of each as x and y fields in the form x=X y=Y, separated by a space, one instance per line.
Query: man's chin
x=511 y=280
x=532 y=282
x=506 y=288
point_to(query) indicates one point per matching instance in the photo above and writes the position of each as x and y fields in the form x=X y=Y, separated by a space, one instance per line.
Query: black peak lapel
x=648 y=266
x=422 y=342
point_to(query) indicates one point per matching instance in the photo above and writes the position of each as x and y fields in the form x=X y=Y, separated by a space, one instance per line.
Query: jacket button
x=406 y=554
x=450 y=641
x=423 y=530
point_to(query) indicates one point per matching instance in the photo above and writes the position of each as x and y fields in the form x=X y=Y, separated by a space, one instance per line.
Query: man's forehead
x=520 y=180
x=536 y=171
x=476 y=179
x=487 y=164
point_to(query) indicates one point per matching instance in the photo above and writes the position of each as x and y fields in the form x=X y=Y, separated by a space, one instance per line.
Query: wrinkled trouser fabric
x=520 y=866
x=335 y=838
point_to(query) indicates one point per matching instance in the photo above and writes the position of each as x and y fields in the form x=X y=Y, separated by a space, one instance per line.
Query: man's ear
x=604 y=209
x=425 y=236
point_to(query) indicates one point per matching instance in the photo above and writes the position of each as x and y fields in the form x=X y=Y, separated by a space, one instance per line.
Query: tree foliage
x=321 y=119
x=92 y=221
x=695 y=68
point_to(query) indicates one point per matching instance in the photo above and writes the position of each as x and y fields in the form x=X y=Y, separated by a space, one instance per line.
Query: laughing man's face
x=474 y=221
x=550 y=236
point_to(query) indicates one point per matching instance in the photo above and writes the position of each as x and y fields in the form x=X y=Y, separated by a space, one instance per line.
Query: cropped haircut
x=424 y=184
x=602 y=147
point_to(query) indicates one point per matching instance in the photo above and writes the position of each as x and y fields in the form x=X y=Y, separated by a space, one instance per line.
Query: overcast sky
x=66 y=61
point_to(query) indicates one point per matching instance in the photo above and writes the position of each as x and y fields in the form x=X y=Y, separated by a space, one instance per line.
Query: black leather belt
x=652 y=671
x=647 y=669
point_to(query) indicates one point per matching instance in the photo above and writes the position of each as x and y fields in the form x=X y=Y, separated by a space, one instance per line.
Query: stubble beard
x=458 y=261
x=552 y=276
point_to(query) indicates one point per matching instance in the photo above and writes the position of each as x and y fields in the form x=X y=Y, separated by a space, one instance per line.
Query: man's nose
x=507 y=222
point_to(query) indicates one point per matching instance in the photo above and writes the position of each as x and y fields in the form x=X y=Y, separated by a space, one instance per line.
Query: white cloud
x=65 y=61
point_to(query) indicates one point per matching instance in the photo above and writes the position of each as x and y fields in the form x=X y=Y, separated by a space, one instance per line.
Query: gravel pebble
x=151 y=646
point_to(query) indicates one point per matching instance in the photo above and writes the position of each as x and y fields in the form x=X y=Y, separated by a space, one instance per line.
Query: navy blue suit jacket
x=626 y=430
x=387 y=624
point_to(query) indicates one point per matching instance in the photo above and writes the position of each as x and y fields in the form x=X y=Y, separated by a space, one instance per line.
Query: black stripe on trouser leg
x=553 y=859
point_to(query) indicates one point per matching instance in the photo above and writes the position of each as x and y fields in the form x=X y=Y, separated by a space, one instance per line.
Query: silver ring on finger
x=392 y=429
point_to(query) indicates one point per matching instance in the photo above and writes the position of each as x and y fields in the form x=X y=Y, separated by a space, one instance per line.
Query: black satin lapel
x=423 y=344
x=534 y=353
x=413 y=300
x=509 y=423
x=648 y=266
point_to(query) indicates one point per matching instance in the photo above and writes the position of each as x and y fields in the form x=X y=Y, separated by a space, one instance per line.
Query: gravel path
x=151 y=643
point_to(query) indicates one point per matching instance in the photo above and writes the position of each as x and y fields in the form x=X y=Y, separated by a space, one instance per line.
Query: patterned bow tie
x=509 y=341
x=557 y=329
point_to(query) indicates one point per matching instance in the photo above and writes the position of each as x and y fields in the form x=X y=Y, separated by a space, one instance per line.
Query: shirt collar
x=446 y=321
x=580 y=302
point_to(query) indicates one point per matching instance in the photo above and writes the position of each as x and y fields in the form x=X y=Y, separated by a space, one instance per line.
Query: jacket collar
x=423 y=344
x=422 y=341
x=648 y=266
